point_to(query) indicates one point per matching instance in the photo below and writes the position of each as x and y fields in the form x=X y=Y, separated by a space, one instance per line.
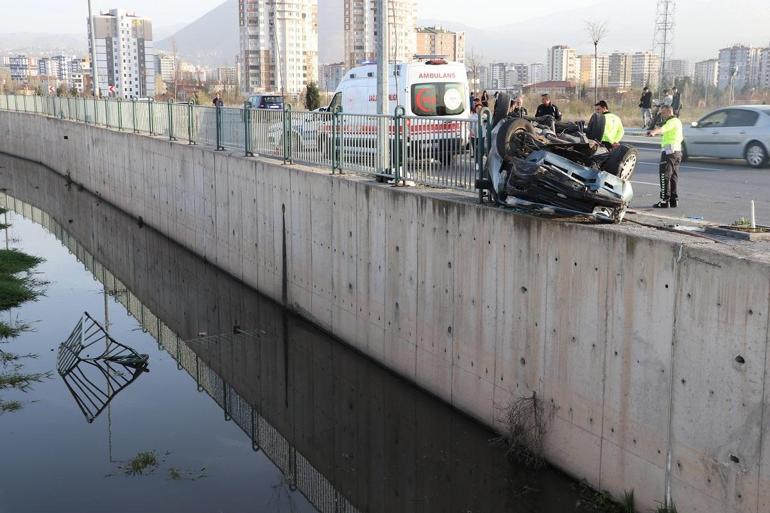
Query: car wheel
x=685 y=156
x=502 y=103
x=622 y=161
x=512 y=138
x=756 y=155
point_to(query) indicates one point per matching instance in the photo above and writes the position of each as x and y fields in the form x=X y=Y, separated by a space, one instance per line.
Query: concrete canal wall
x=647 y=349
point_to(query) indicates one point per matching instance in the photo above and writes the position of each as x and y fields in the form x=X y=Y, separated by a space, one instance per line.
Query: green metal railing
x=435 y=151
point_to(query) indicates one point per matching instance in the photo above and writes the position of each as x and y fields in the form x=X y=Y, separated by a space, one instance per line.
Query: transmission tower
x=664 y=35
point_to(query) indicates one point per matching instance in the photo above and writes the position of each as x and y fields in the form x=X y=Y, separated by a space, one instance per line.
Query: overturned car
x=544 y=165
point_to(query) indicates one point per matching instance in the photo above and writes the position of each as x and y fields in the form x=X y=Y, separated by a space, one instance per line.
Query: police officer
x=546 y=108
x=670 y=157
x=607 y=124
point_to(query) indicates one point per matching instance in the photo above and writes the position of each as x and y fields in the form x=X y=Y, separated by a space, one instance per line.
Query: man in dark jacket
x=516 y=109
x=676 y=101
x=546 y=108
x=645 y=104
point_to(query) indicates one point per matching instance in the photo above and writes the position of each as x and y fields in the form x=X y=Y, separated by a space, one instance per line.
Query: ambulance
x=435 y=96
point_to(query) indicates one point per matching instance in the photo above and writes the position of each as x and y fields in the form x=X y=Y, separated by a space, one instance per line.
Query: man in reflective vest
x=605 y=126
x=671 y=156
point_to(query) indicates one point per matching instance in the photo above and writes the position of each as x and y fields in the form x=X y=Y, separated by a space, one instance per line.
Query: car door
x=706 y=138
x=736 y=131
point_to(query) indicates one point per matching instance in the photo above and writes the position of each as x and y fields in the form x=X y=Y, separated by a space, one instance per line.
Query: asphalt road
x=715 y=190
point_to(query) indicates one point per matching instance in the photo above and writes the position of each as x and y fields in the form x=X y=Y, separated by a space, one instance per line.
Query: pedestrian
x=676 y=101
x=546 y=108
x=484 y=98
x=668 y=98
x=645 y=104
x=474 y=126
x=606 y=126
x=670 y=157
x=517 y=109
x=217 y=101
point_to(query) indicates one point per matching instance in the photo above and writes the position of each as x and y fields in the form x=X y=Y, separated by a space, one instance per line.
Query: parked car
x=266 y=101
x=737 y=132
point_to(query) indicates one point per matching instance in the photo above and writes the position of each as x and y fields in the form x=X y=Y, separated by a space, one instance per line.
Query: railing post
x=190 y=121
x=152 y=117
x=398 y=145
x=120 y=114
x=247 y=130
x=133 y=115
x=171 y=121
x=96 y=112
x=77 y=110
x=286 y=134
x=107 y=112
x=218 y=118
x=336 y=140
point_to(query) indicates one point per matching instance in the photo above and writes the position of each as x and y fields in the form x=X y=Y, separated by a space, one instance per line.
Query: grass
x=13 y=261
x=21 y=381
x=14 y=291
x=10 y=406
x=8 y=331
x=593 y=501
x=146 y=461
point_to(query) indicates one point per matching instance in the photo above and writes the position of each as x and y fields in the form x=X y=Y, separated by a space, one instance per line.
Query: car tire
x=622 y=161
x=502 y=103
x=756 y=155
x=508 y=142
x=685 y=155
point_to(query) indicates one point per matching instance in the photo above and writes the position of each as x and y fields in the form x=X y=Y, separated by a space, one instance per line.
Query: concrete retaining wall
x=630 y=336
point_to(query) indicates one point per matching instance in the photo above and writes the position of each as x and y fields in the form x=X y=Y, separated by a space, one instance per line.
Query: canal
x=243 y=407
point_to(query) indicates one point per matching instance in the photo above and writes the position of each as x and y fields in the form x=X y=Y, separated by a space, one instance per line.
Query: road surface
x=715 y=190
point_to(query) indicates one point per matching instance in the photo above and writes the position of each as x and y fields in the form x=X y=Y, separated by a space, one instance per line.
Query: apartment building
x=279 y=45
x=645 y=69
x=442 y=42
x=562 y=64
x=360 y=21
x=619 y=70
x=125 y=57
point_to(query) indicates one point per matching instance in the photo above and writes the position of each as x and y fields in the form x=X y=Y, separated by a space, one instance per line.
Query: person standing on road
x=645 y=104
x=612 y=131
x=676 y=101
x=670 y=157
x=484 y=98
x=546 y=108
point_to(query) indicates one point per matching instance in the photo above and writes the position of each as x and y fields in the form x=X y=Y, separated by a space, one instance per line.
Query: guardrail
x=433 y=151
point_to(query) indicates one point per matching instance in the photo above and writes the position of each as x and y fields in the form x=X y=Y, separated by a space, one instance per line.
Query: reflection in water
x=94 y=381
x=347 y=433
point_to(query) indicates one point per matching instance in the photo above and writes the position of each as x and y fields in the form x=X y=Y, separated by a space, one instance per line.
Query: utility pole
x=664 y=35
x=383 y=136
x=94 y=73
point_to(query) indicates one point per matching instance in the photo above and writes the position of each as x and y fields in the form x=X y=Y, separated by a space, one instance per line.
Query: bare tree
x=473 y=62
x=597 y=30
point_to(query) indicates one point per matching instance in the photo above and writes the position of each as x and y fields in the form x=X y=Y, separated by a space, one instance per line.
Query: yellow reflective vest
x=672 y=134
x=613 y=128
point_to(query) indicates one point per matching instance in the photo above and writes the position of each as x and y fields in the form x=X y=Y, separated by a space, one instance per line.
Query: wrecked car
x=553 y=167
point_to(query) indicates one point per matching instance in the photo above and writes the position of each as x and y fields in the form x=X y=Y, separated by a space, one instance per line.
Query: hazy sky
x=67 y=16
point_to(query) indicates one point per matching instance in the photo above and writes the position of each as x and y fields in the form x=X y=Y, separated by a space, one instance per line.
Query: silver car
x=737 y=132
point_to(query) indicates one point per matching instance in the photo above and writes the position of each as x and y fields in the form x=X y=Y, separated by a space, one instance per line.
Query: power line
x=663 y=39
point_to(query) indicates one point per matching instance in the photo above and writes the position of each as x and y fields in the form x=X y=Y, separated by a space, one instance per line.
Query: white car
x=737 y=132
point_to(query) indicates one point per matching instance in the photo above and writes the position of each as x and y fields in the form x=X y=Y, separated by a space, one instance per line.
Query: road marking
x=646 y=183
x=684 y=166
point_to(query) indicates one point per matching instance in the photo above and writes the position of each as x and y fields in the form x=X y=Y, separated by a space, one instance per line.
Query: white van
x=434 y=94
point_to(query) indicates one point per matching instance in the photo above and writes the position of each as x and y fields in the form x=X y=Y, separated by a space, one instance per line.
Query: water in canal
x=245 y=408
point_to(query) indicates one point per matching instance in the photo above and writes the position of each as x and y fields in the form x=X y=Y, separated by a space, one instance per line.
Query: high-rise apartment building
x=736 y=66
x=763 y=75
x=330 y=76
x=536 y=72
x=441 y=42
x=707 y=72
x=20 y=68
x=279 y=45
x=125 y=58
x=676 y=69
x=619 y=70
x=360 y=21
x=562 y=64
x=165 y=67
x=590 y=68
x=645 y=69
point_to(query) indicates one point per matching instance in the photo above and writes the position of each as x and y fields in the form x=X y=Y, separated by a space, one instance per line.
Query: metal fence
x=432 y=151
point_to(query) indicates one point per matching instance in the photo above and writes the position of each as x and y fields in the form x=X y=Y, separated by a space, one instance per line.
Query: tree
x=61 y=90
x=596 y=30
x=73 y=91
x=312 y=96
x=473 y=63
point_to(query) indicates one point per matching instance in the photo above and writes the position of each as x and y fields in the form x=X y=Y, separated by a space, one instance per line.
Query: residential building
x=676 y=69
x=279 y=45
x=439 y=41
x=707 y=72
x=497 y=75
x=562 y=64
x=645 y=69
x=330 y=76
x=619 y=70
x=227 y=75
x=20 y=68
x=360 y=22
x=536 y=72
x=125 y=57
x=763 y=80
x=165 y=67
x=736 y=66
x=588 y=65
